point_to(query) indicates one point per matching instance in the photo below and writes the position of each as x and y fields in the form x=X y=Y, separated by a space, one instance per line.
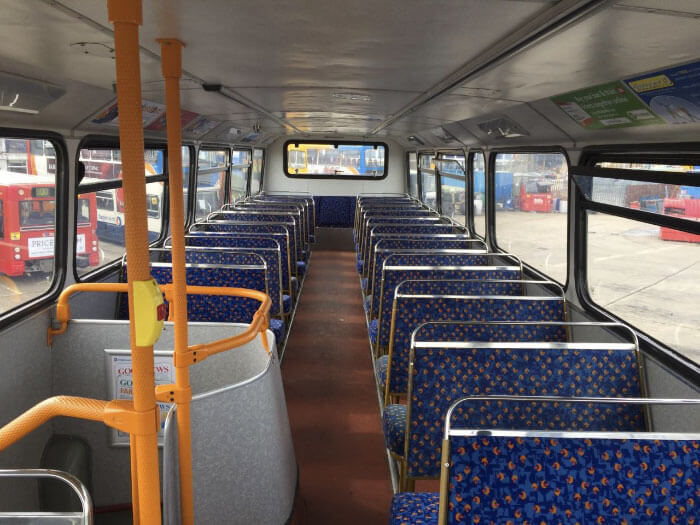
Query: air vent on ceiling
x=502 y=128
x=415 y=140
x=26 y=95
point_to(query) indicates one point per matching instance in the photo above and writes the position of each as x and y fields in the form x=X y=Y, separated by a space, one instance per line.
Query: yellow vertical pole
x=126 y=15
x=171 y=61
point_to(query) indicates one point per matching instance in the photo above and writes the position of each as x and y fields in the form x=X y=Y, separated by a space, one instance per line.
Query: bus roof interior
x=382 y=70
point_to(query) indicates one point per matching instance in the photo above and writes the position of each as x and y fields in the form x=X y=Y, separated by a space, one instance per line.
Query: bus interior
x=350 y=262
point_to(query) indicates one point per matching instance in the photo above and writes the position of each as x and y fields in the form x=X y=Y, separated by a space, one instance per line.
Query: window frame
x=365 y=178
x=491 y=225
x=249 y=190
x=438 y=191
x=227 y=178
x=112 y=142
x=684 y=154
x=439 y=176
x=249 y=171
x=61 y=233
x=471 y=218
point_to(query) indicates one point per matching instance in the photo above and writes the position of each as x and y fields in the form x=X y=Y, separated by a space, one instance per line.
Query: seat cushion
x=360 y=264
x=301 y=267
x=286 y=303
x=278 y=328
x=295 y=285
x=373 y=330
x=394 y=427
x=382 y=366
x=364 y=283
x=367 y=303
x=416 y=508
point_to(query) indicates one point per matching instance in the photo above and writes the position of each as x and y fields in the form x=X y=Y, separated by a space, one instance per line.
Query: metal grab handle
x=259 y=323
x=85 y=517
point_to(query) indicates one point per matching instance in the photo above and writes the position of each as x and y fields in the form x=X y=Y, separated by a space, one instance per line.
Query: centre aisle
x=332 y=400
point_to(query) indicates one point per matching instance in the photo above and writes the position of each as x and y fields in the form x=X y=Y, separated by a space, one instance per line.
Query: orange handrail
x=258 y=325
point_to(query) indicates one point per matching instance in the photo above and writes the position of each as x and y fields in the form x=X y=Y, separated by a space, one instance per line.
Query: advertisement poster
x=673 y=94
x=121 y=385
x=160 y=123
x=201 y=127
x=606 y=106
x=110 y=116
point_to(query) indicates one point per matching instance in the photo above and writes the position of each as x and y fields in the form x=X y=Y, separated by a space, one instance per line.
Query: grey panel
x=93 y=305
x=79 y=363
x=662 y=383
x=26 y=380
x=243 y=469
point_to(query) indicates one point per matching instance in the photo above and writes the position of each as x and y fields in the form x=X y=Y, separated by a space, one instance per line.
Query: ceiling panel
x=612 y=44
x=679 y=7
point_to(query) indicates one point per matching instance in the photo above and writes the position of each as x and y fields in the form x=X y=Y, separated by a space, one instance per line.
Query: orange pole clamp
x=171 y=64
x=126 y=15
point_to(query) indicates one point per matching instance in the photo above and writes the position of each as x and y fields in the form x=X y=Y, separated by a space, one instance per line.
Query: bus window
x=661 y=269
x=27 y=219
x=256 y=171
x=212 y=169
x=330 y=159
x=453 y=187
x=100 y=226
x=427 y=180
x=413 y=174
x=240 y=165
x=479 y=179
x=531 y=204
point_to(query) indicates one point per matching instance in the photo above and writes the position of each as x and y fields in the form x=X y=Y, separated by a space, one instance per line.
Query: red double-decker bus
x=28 y=224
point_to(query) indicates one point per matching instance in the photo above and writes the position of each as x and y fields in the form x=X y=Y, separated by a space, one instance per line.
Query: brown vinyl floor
x=332 y=400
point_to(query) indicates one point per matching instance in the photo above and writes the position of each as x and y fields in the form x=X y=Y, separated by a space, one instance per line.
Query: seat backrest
x=387 y=247
x=400 y=267
x=257 y=225
x=307 y=201
x=384 y=220
x=570 y=477
x=395 y=210
x=307 y=211
x=518 y=369
x=266 y=248
x=215 y=308
x=276 y=207
x=408 y=229
x=412 y=311
x=291 y=220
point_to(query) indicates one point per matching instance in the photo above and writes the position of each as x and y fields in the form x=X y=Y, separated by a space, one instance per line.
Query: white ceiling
x=284 y=61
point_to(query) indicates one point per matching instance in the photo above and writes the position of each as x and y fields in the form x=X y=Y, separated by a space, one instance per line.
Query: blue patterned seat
x=378 y=232
x=415 y=508
x=335 y=211
x=388 y=246
x=573 y=480
x=278 y=328
x=359 y=265
x=363 y=283
x=444 y=373
x=286 y=303
x=211 y=308
x=393 y=274
x=366 y=303
x=382 y=366
x=373 y=327
x=268 y=249
x=394 y=427
x=295 y=286
x=276 y=232
x=301 y=268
